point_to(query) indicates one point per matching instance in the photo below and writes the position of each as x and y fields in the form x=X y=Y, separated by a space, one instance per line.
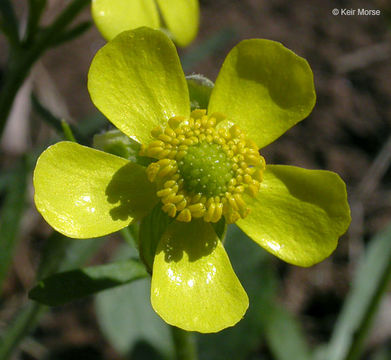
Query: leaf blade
x=11 y=215
x=74 y=284
x=369 y=285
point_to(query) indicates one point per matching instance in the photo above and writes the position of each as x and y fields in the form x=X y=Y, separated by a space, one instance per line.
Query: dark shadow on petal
x=196 y=238
x=131 y=193
x=310 y=186
x=283 y=83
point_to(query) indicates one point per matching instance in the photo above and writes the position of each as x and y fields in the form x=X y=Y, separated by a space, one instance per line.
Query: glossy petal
x=82 y=192
x=181 y=18
x=299 y=214
x=264 y=88
x=114 y=16
x=137 y=82
x=193 y=284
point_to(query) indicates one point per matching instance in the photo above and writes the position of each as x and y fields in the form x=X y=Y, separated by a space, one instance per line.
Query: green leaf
x=36 y=7
x=60 y=253
x=71 y=34
x=63 y=287
x=11 y=214
x=151 y=230
x=369 y=285
x=8 y=21
x=53 y=121
x=220 y=228
x=200 y=89
x=126 y=317
x=284 y=335
x=117 y=143
x=68 y=133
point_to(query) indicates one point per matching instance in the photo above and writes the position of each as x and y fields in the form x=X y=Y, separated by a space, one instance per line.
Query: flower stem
x=185 y=347
x=23 y=56
x=25 y=321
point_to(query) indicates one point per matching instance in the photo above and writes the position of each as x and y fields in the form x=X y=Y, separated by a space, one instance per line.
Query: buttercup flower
x=206 y=167
x=179 y=18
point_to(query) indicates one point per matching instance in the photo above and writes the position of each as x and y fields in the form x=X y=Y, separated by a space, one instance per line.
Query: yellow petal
x=114 y=16
x=193 y=284
x=83 y=193
x=264 y=88
x=298 y=214
x=181 y=18
x=137 y=82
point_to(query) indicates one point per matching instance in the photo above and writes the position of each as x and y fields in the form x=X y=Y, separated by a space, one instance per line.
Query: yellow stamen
x=202 y=171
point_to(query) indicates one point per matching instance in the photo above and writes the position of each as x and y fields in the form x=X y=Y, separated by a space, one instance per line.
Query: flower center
x=203 y=171
x=206 y=169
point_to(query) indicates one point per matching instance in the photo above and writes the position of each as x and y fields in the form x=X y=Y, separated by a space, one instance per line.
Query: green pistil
x=206 y=169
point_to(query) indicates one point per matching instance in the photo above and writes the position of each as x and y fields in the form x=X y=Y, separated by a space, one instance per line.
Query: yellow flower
x=179 y=18
x=205 y=168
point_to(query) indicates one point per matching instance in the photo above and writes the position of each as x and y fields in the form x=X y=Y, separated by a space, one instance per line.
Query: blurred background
x=348 y=132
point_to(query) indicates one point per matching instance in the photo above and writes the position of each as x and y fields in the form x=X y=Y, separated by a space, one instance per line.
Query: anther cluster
x=203 y=171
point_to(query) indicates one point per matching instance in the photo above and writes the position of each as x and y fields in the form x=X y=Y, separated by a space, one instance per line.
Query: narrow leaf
x=284 y=335
x=73 y=33
x=71 y=285
x=11 y=215
x=9 y=21
x=60 y=253
x=369 y=285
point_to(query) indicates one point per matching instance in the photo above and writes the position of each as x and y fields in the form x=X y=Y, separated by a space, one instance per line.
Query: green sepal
x=200 y=88
x=117 y=143
x=151 y=230
x=220 y=228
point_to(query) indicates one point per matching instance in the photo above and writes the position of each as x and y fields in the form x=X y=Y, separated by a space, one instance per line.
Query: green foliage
x=11 y=214
x=126 y=317
x=258 y=75
x=151 y=230
x=63 y=287
x=265 y=320
x=200 y=89
x=370 y=283
x=117 y=143
x=59 y=253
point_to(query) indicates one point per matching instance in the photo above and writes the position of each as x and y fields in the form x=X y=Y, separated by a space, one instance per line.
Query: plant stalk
x=22 y=58
x=25 y=322
x=184 y=342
